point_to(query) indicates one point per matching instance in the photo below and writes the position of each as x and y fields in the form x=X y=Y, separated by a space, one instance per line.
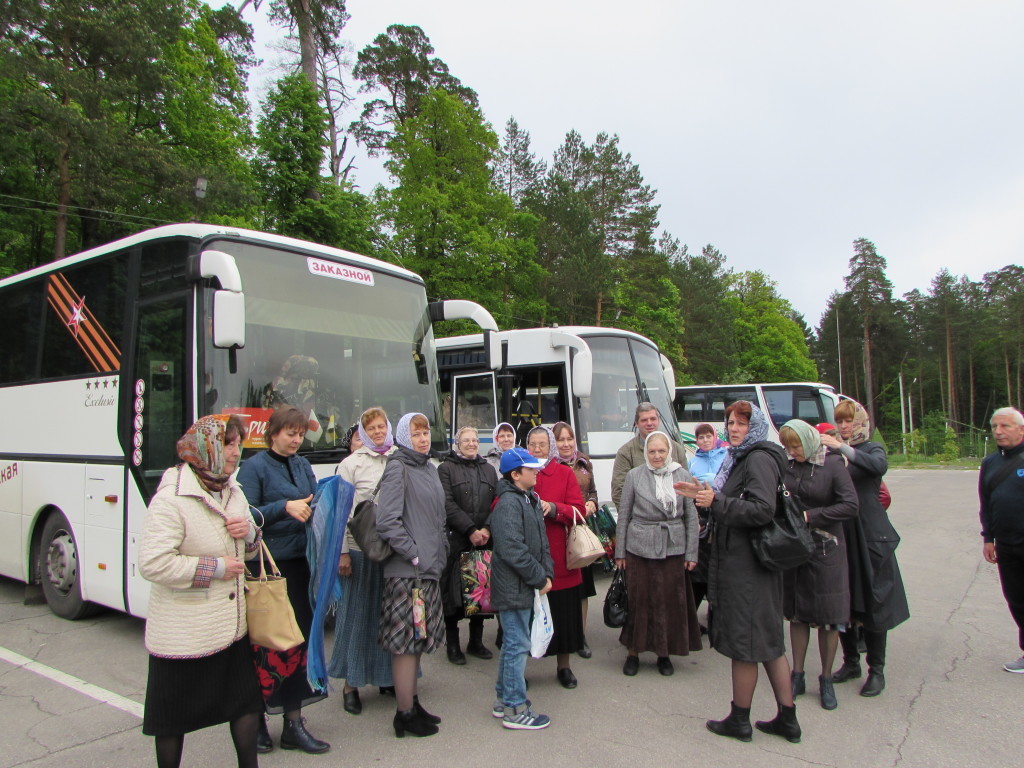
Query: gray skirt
x=396 y=625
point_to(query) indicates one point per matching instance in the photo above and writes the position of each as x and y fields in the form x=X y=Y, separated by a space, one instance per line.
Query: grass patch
x=912 y=461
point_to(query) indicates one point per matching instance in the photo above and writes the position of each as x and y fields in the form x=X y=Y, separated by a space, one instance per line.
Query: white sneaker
x=1016 y=666
x=497 y=710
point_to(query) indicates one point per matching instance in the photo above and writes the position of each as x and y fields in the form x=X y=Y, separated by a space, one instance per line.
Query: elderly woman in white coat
x=197 y=532
x=656 y=542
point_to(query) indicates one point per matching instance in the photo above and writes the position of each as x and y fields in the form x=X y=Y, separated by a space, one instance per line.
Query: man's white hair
x=1015 y=416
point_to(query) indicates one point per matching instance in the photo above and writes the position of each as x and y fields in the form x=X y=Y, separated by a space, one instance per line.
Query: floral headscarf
x=758 y=432
x=810 y=440
x=402 y=432
x=202 y=448
x=457 y=439
x=389 y=441
x=494 y=436
x=663 y=475
x=861 y=425
x=552 y=450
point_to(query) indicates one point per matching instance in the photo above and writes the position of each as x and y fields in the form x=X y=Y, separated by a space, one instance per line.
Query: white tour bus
x=109 y=355
x=814 y=403
x=590 y=377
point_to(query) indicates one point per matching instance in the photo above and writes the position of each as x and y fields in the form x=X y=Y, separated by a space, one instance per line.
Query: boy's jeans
x=515 y=647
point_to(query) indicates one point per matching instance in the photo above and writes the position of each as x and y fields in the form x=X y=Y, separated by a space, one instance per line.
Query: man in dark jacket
x=1001 y=490
x=521 y=564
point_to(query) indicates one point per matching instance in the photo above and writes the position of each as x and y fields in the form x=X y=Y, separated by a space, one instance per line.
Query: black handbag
x=363 y=526
x=616 y=602
x=785 y=542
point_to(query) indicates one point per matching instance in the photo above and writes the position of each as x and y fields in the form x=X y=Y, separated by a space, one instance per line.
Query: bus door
x=474 y=403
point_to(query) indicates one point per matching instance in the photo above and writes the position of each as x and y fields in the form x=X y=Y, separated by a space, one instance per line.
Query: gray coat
x=646 y=529
x=818 y=592
x=522 y=559
x=745 y=597
x=410 y=516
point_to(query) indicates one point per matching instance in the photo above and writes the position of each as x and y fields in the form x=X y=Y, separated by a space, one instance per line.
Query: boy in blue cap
x=520 y=564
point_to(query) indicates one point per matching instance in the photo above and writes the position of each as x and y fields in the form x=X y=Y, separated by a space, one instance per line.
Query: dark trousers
x=1010 y=561
x=875 y=642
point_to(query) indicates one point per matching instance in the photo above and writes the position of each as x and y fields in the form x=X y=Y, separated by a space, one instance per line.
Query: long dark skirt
x=567 y=620
x=588 y=589
x=184 y=695
x=282 y=674
x=662 y=612
x=357 y=657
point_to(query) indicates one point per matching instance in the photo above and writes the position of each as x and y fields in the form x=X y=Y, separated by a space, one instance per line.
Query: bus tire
x=59 y=570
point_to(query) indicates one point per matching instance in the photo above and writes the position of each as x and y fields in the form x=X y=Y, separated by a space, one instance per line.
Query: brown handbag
x=268 y=611
x=582 y=547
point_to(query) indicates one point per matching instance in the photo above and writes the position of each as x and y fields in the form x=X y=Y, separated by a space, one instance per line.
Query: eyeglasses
x=469 y=441
x=537 y=446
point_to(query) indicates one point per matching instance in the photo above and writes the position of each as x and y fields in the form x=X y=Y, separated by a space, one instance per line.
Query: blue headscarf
x=758 y=432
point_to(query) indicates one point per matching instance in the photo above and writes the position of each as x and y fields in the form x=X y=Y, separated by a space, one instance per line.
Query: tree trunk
x=1006 y=363
x=600 y=299
x=970 y=382
x=869 y=403
x=952 y=413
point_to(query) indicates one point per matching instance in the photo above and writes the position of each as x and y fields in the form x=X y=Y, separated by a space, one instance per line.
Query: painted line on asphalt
x=70 y=681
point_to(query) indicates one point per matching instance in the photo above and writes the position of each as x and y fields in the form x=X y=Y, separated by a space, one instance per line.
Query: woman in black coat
x=470 y=484
x=878 y=601
x=817 y=593
x=745 y=597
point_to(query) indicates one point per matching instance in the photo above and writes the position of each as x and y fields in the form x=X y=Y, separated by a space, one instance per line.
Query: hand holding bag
x=541 y=628
x=786 y=541
x=363 y=525
x=268 y=612
x=616 y=602
x=582 y=547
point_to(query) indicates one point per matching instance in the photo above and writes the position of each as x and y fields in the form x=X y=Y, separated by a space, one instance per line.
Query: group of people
x=681 y=533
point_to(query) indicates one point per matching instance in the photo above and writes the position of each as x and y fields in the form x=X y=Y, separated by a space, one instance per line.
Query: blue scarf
x=333 y=504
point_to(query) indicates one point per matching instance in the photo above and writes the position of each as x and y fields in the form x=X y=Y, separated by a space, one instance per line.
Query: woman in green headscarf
x=817 y=593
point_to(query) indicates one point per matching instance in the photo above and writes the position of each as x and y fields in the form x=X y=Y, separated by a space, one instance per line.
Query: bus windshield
x=332 y=347
x=626 y=372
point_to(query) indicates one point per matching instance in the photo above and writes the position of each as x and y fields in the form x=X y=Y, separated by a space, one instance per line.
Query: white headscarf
x=663 y=475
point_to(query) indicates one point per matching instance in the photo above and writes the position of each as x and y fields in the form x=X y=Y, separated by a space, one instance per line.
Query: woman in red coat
x=559 y=494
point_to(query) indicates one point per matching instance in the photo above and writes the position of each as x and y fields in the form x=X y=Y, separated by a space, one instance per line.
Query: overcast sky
x=777 y=131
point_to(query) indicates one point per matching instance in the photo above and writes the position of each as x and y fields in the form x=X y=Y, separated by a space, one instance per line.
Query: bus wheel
x=58 y=570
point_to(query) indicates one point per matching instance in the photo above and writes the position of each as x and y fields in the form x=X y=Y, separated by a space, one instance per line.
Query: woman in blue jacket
x=280 y=484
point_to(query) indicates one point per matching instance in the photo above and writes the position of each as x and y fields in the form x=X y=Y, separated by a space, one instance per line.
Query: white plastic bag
x=541 y=628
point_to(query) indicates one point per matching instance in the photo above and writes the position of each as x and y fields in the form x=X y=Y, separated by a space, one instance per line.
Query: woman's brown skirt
x=662 y=612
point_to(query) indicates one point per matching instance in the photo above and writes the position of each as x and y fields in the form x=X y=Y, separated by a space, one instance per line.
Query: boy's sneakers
x=1016 y=666
x=525 y=719
x=498 y=710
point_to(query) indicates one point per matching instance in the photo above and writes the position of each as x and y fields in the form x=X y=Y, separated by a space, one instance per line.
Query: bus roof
x=576 y=330
x=205 y=231
x=817 y=384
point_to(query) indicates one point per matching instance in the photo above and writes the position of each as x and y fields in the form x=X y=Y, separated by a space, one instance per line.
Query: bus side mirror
x=492 y=347
x=228 y=319
x=582 y=373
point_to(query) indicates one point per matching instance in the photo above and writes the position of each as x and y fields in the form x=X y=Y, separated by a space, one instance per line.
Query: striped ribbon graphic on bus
x=100 y=350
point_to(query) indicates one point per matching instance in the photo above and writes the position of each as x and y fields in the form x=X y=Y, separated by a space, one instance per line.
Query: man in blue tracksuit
x=1001 y=489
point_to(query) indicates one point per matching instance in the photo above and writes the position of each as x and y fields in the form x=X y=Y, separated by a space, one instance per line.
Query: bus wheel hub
x=62 y=562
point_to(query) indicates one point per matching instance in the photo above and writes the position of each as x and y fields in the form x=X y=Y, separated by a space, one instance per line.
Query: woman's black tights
x=243 y=735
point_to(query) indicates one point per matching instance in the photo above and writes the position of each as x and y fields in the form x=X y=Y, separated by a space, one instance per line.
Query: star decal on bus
x=77 y=316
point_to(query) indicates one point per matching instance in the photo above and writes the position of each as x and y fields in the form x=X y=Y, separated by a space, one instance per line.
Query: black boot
x=827 y=693
x=408 y=720
x=295 y=736
x=264 y=743
x=451 y=639
x=736 y=725
x=476 y=646
x=423 y=714
x=798 y=682
x=851 y=657
x=784 y=725
x=876 y=663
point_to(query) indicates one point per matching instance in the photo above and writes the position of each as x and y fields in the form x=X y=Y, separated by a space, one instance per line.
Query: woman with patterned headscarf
x=560 y=499
x=411 y=517
x=817 y=593
x=745 y=621
x=878 y=601
x=470 y=484
x=197 y=531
